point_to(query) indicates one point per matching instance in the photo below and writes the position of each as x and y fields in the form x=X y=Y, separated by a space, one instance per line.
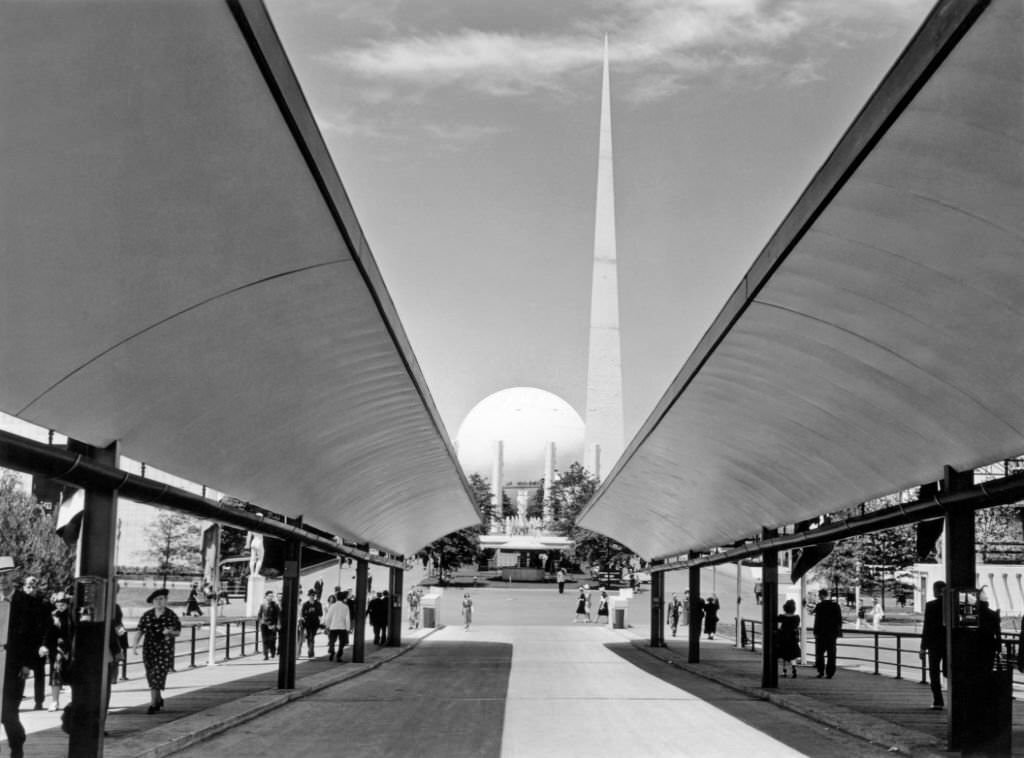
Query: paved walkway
x=574 y=687
x=200 y=702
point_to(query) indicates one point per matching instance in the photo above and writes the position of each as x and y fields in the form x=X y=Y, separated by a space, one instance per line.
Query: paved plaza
x=523 y=681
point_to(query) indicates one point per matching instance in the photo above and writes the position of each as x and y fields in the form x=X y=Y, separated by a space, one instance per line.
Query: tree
x=174 y=541
x=571 y=491
x=462 y=546
x=233 y=542
x=869 y=560
x=27 y=535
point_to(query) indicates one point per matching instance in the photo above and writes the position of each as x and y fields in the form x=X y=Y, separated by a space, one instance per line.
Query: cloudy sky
x=466 y=135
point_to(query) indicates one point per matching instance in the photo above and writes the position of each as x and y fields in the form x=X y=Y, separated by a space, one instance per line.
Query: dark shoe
x=936 y=706
x=830 y=676
x=820 y=675
x=794 y=673
x=38 y=707
x=152 y=709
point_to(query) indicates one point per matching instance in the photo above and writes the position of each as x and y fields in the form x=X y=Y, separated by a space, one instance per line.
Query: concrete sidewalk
x=892 y=713
x=202 y=701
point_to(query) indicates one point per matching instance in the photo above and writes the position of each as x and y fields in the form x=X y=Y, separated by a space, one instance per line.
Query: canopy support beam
x=1002 y=491
x=67 y=466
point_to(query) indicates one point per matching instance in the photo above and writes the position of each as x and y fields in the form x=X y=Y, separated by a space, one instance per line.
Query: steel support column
x=696 y=617
x=658 y=610
x=93 y=610
x=769 y=611
x=395 y=616
x=958 y=553
x=287 y=646
x=359 y=616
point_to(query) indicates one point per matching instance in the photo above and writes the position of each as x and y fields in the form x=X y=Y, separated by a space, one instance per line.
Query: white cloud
x=659 y=44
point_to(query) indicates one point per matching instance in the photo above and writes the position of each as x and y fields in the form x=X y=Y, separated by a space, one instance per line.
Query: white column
x=549 y=475
x=497 y=474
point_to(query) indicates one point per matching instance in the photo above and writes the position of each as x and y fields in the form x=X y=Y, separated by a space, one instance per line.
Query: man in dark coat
x=310 y=615
x=40 y=610
x=23 y=639
x=377 y=610
x=933 y=642
x=828 y=627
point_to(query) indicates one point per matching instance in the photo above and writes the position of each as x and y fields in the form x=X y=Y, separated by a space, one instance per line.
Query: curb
x=179 y=734
x=870 y=729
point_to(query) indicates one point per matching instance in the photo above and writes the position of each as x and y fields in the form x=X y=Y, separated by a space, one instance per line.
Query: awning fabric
x=182 y=272
x=879 y=335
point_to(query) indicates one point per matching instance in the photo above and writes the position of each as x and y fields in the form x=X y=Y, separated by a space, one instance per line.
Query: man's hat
x=6 y=563
x=157 y=593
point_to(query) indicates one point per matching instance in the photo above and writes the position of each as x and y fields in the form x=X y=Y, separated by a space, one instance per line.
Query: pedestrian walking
x=268 y=619
x=588 y=605
x=828 y=628
x=22 y=637
x=414 y=608
x=157 y=630
x=467 y=610
x=602 y=608
x=560 y=577
x=933 y=643
x=581 y=605
x=58 y=643
x=338 y=621
x=192 y=604
x=39 y=612
x=675 y=608
x=711 y=606
x=310 y=615
x=877 y=614
x=377 y=612
x=787 y=639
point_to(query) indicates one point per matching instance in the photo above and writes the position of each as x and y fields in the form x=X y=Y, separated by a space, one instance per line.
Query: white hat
x=6 y=563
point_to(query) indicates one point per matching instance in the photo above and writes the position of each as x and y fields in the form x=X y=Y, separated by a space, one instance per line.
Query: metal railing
x=885 y=652
x=235 y=638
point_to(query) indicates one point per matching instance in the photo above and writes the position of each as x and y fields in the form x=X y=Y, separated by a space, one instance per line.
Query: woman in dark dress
x=58 y=643
x=157 y=629
x=581 y=604
x=787 y=640
x=602 y=608
x=711 y=616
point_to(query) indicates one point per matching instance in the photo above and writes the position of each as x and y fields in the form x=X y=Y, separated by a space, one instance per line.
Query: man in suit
x=23 y=640
x=828 y=627
x=933 y=642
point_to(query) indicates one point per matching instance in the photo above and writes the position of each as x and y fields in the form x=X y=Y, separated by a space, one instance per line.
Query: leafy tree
x=869 y=560
x=233 y=541
x=997 y=533
x=174 y=541
x=462 y=546
x=571 y=491
x=27 y=535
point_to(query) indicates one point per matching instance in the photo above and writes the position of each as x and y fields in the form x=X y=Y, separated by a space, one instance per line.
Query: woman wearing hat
x=157 y=629
x=58 y=642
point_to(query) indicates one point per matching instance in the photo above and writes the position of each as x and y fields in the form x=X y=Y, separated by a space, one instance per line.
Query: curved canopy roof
x=183 y=272
x=878 y=336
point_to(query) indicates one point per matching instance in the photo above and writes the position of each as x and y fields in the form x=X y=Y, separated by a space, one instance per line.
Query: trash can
x=620 y=613
x=431 y=609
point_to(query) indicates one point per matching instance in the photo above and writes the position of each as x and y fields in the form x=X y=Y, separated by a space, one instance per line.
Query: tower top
x=604 y=436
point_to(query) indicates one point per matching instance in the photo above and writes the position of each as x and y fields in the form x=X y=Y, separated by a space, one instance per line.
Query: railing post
x=227 y=641
x=753 y=636
x=899 y=656
x=242 y=647
x=192 y=651
x=875 y=635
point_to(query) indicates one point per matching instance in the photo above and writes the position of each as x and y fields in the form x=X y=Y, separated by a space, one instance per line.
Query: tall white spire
x=604 y=436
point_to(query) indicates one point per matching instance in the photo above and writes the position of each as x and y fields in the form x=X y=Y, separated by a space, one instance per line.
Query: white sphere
x=524 y=419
